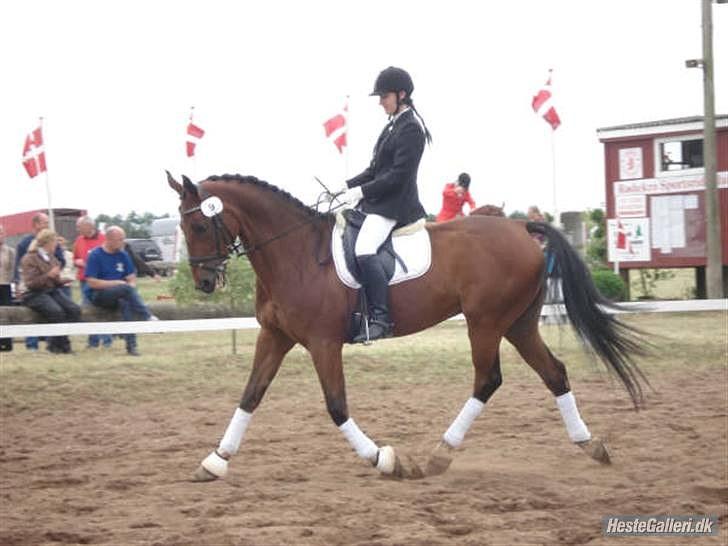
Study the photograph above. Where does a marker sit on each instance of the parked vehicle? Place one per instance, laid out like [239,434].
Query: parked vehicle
[146,249]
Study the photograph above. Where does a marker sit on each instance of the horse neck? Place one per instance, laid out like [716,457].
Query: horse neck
[289,235]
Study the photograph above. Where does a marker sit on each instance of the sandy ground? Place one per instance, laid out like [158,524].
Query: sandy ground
[106,473]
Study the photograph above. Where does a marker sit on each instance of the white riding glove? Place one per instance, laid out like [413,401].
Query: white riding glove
[351,196]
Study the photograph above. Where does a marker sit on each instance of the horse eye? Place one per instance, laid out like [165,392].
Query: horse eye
[199,228]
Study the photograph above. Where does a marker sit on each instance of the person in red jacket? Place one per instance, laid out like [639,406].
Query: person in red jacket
[454,196]
[89,238]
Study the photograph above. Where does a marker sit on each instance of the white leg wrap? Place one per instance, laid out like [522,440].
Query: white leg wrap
[386,460]
[570,414]
[362,444]
[235,432]
[456,433]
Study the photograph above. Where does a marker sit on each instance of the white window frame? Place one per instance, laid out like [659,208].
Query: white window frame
[659,173]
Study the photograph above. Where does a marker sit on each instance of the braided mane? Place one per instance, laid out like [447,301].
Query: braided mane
[274,189]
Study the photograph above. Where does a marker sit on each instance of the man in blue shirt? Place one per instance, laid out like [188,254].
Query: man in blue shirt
[111,282]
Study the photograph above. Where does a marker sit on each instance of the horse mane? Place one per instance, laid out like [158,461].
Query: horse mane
[297,203]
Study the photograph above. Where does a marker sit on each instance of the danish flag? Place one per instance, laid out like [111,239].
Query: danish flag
[34,154]
[194,134]
[335,129]
[542,105]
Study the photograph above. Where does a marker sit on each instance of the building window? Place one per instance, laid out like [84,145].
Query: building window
[679,154]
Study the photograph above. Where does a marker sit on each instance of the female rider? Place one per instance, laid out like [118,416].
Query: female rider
[387,191]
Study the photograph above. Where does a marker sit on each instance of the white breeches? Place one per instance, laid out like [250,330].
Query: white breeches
[374,231]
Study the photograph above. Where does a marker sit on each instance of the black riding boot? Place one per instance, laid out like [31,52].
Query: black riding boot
[376,286]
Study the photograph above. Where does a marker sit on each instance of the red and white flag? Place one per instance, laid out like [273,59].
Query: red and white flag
[335,129]
[34,153]
[194,134]
[542,105]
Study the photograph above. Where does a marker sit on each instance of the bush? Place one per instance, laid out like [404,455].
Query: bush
[238,293]
[609,284]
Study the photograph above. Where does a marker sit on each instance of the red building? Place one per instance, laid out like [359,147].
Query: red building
[18,225]
[655,189]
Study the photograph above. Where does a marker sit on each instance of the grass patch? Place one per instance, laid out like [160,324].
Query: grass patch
[182,367]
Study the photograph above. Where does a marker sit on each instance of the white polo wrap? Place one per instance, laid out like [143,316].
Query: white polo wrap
[455,435]
[235,431]
[362,444]
[578,432]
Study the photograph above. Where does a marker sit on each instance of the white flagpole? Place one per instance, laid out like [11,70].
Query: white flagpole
[347,128]
[51,216]
[193,158]
[557,220]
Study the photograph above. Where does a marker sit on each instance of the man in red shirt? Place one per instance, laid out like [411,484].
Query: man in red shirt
[88,239]
[454,196]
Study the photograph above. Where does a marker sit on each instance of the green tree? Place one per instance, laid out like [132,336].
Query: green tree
[136,226]
[596,248]
[238,292]
[518,215]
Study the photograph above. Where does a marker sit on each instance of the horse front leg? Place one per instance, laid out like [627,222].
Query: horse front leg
[328,362]
[270,348]
[484,348]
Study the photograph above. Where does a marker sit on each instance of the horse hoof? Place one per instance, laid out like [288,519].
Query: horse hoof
[439,460]
[202,475]
[597,450]
[406,468]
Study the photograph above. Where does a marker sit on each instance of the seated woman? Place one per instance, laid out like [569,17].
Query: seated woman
[43,283]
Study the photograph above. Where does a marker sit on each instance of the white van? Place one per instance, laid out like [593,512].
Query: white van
[167,233]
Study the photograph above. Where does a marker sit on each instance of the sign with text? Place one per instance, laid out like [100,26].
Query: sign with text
[667,184]
[628,240]
[631,206]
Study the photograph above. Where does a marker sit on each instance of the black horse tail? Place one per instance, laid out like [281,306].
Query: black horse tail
[613,341]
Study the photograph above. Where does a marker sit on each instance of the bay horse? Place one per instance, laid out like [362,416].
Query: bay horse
[486,268]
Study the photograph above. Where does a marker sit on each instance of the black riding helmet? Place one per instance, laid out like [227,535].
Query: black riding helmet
[464,180]
[393,80]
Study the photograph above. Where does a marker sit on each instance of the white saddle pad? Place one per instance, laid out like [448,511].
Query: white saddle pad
[411,242]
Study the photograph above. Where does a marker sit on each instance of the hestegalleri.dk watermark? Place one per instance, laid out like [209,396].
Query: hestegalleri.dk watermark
[624,525]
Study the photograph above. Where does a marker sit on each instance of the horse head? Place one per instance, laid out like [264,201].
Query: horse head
[210,232]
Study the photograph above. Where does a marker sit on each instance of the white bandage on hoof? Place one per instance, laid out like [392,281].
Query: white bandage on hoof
[215,465]
[575,426]
[386,460]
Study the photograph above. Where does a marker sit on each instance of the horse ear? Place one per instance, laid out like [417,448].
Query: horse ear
[174,184]
[188,185]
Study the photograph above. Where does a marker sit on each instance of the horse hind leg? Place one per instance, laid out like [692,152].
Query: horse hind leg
[525,337]
[487,380]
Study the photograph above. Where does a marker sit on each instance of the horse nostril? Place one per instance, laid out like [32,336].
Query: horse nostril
[207,286]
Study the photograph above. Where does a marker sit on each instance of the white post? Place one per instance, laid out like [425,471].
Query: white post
[51,217]
[193,157]
[557,220]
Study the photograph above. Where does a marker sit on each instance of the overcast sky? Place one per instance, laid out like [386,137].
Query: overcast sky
[114,82]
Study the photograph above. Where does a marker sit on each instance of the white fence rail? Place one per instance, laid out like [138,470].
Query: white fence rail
[244,323]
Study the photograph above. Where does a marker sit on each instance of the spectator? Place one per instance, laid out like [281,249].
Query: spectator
[43,282]
[89,238]
[534,215]
[38,222]
[7,265]
[111,282]
[454,196]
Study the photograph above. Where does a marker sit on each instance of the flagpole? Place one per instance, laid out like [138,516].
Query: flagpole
[347,128]
[193,158]
[51,216]
[557,220]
